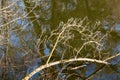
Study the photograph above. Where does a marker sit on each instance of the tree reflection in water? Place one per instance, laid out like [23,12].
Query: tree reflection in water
[25,42]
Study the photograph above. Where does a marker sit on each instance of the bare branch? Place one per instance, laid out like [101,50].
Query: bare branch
[63,61]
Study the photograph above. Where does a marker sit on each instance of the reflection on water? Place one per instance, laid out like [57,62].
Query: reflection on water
[23,40]
[90,69]
[14,40]
[117,28]
[117,48]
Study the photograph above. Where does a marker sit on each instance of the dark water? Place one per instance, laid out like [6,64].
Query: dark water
[24,51]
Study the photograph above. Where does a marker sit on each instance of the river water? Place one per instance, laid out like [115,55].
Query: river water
[23,34]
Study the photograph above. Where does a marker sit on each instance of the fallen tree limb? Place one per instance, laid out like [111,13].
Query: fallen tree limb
[63,61]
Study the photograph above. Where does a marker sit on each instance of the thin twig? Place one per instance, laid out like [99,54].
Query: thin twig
[106,60]
[55,45]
